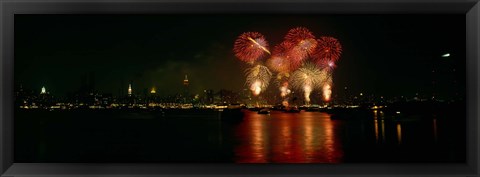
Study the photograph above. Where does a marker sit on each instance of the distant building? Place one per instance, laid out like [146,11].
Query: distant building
[208,96]
[185,81]
[129,89]
[44,91]
[186,92]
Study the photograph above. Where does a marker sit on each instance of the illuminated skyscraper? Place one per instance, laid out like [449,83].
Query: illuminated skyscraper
[44,91]
[129,89]
[153,91]
[185,91]
[185,81]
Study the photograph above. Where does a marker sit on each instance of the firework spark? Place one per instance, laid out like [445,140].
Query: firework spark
[250,46]
[326,84]
[328,50]
[306,47]
[327,92]
[307,78]
[282,83]
[303,41]
[327,65]
[258,78]
[298,34]
[291,57]
[278,64]
[260,43]
[284,91]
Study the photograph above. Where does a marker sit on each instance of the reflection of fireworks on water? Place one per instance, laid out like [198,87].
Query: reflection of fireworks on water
[328,51]
[258,78]
[250,46]
[306,79]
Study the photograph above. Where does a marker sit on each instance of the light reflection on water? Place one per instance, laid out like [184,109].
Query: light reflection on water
[399,133]
[288,138]
[435,133]
[305,137]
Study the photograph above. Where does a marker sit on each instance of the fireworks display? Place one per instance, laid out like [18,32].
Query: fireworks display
[290,59]
[328,51]
[250,46]
[303,42]
[258,78]
[307,78]
[278,63]
[298,34]
[327,92]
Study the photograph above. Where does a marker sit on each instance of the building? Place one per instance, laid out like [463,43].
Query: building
[186,91]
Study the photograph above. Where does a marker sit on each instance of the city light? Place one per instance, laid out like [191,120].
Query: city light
[44,91]
[446,55]
[129,89]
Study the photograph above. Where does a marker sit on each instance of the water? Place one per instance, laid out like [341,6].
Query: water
[306,137]
[289,137]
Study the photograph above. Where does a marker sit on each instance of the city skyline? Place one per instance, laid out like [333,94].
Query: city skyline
[392,56]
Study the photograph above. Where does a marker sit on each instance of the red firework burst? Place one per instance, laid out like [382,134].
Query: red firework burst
[291,56]
[326,64]
[329,49]
[298,34]
[278,64]
[296,58]
[250,46]
[303,40]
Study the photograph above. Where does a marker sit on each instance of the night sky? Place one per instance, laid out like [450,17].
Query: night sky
[388,55]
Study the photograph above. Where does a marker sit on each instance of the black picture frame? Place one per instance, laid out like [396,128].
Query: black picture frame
[8,9]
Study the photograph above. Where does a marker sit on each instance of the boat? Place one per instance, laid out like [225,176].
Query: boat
[255,109]
[264,111]
[292,110]
[313,109]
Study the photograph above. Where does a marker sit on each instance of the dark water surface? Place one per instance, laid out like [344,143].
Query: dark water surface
[306,137]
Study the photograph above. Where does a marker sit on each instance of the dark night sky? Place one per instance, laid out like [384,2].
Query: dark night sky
[382,54]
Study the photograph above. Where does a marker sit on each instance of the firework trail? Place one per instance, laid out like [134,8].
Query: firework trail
[258,78]
[326,85]
[326,82]
[250,46]
[281,81]
[327,92]
[284,91]
[307,78]
[328,51]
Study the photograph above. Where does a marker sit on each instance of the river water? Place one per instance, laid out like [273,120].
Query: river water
[278,137]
